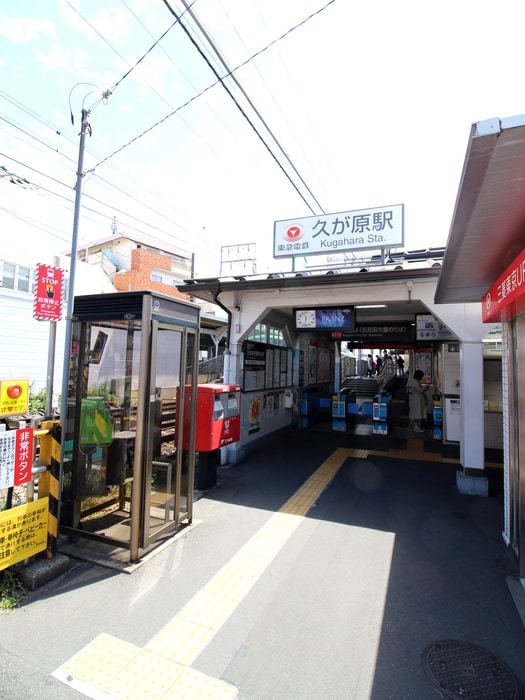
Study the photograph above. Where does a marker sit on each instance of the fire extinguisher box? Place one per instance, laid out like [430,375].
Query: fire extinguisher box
[218,416]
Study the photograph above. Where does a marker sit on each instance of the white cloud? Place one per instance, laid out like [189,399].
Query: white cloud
[26,30]
[73,62]
[112,23]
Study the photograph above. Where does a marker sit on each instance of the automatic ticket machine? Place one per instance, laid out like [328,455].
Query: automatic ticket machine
[127,480]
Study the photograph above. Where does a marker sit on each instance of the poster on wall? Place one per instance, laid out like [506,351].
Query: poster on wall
[266,366]
[312,364]
[269,368]
[254,365]
[276,366]
[283,374]
[323,369]
[254,414]
[423,361]
[429,328]
[289,368]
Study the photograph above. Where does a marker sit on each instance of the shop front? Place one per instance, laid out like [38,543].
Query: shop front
[488,228]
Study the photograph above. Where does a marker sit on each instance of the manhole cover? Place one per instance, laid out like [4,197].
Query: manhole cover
[464,671]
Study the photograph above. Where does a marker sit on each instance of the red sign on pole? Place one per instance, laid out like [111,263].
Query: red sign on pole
[49,291]
[506,298]
[16,457]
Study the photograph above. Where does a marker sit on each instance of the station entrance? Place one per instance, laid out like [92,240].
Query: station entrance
[128,474]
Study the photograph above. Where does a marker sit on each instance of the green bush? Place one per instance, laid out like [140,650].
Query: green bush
[103,389]
[37,401]
[12,592]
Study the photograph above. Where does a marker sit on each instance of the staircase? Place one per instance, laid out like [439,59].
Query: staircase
[368,387]
[211,370]
[362,387]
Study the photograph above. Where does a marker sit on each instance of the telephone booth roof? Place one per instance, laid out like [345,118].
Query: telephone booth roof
[130,305]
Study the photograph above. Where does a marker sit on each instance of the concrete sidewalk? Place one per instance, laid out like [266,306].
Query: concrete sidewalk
[321,567]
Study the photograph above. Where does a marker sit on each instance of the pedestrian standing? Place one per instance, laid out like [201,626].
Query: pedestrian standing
[417,401]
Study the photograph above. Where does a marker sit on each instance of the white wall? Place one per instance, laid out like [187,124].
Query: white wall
[24,343]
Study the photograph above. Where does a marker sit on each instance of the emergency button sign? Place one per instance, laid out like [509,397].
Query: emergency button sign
[14,396]
[49,287]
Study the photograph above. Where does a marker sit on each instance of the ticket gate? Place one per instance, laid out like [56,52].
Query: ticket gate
[126,479]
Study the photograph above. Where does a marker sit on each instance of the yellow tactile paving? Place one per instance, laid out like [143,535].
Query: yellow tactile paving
[237,577]
[111,668]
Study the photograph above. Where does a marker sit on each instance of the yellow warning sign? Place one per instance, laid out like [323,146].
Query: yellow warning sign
[14,396]
[23,531]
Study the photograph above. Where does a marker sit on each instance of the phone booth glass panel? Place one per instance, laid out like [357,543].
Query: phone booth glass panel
[126,480]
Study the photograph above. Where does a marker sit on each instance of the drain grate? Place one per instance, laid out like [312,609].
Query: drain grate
[464,671]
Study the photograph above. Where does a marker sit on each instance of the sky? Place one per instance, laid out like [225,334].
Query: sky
[339,106]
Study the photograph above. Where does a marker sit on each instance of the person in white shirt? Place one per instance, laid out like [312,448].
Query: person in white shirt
[418,401]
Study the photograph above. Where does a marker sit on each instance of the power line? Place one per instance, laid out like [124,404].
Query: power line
[35,224]
[98,176]
[184,75]
[132,68]
[230,74]
[220,80]
[26,184]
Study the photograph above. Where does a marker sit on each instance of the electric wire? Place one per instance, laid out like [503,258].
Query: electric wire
[109,183]
[126,215]
[186,78]
[220,80]
[132,68]
[106,93]
[305,115]
[35,224]
[237,83]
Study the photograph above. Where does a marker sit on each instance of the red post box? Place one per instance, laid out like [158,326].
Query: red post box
[218,416]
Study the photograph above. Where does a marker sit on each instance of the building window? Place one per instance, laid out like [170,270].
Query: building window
[156,278]
[8,276]
[272,335]
[16,277]
[24,278]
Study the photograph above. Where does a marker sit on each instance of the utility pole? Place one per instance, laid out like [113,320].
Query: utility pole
[84,129]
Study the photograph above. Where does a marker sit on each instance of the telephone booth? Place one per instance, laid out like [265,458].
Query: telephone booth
[133,367]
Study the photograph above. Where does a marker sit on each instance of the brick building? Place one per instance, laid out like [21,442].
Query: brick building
[140,262]
[149,270]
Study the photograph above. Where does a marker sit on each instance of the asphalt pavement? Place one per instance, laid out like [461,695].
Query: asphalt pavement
[325,565]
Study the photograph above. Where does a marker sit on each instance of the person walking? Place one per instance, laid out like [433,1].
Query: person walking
[400,365]
[417,401]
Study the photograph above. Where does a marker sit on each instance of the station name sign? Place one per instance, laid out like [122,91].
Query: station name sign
[362,229]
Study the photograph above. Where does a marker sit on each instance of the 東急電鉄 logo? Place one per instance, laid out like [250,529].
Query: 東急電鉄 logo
[293,233]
